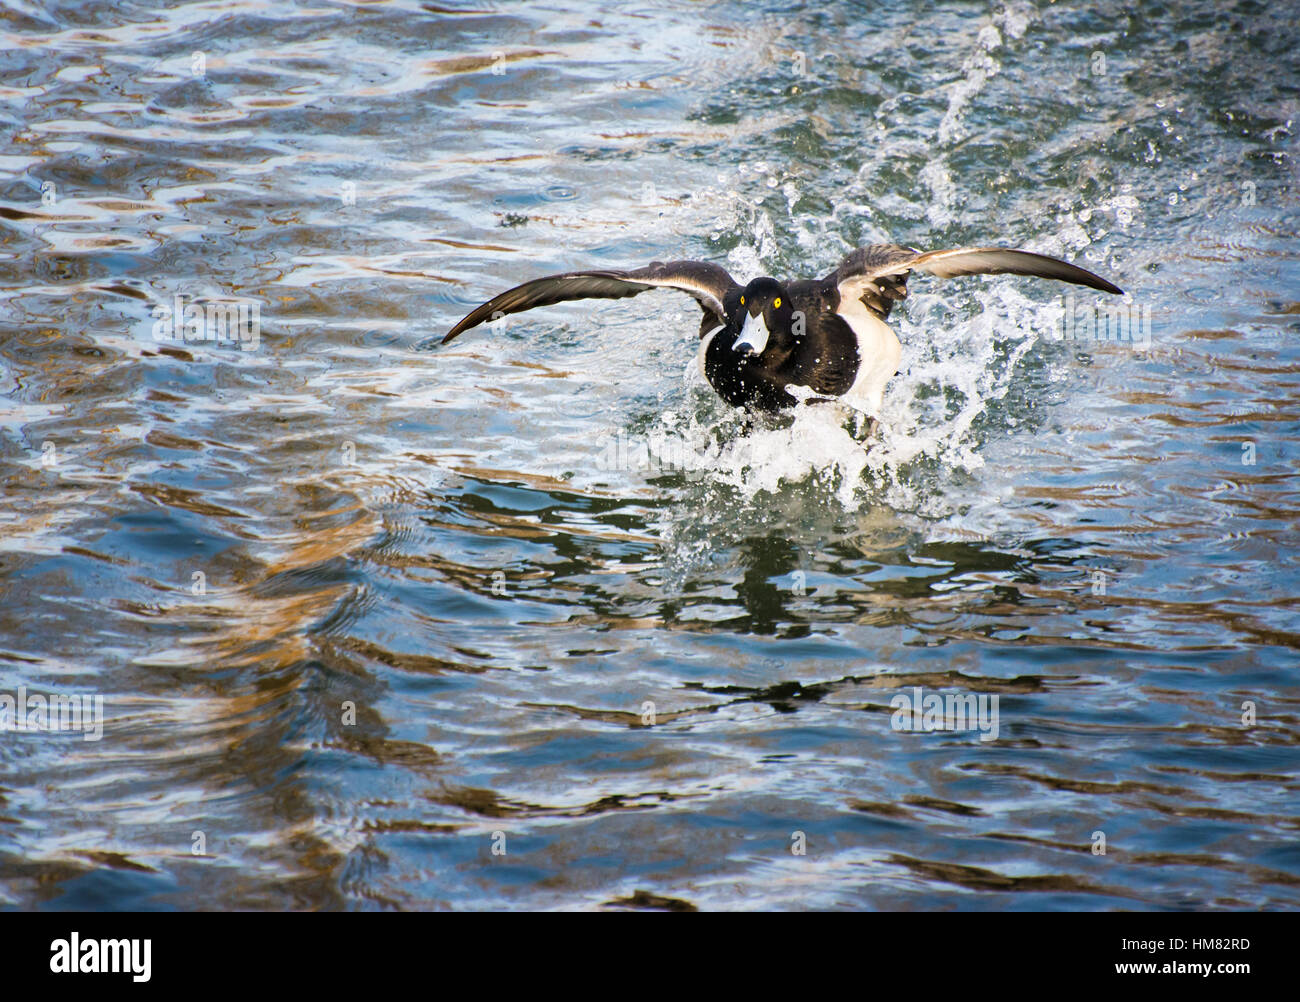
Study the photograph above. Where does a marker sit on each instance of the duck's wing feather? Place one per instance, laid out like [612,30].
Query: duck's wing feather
[708,283]
[877,275]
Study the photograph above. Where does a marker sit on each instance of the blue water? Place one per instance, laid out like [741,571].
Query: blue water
[525,621]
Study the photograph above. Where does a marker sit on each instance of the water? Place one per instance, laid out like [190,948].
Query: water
[363,609]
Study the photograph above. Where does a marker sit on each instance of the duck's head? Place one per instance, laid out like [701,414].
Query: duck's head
[761,318]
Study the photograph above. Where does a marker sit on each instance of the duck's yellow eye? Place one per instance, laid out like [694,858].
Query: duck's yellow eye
[742,300]
[777,304]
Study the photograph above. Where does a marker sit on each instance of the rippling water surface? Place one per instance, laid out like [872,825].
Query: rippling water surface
[522,622]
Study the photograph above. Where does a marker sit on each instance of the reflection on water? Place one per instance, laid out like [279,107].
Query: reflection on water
[381,624]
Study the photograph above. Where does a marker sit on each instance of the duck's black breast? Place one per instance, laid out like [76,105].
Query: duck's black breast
[824,357]
[743,382]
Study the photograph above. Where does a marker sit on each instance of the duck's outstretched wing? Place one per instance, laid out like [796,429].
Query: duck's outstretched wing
[877,275]
[708,283]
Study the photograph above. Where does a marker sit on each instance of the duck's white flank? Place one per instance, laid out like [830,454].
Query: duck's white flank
[878,351]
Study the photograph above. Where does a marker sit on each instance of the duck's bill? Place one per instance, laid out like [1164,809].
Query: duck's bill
[753,336]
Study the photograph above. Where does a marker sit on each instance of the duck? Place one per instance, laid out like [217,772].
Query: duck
[769,345]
